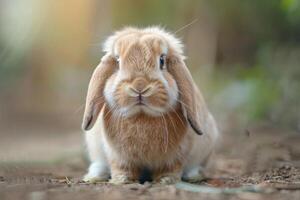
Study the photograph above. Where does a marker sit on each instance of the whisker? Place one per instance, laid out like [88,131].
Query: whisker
[79,108]
[167,134]
[111,110]
[185,26]
[122,120]
[117,119]
[187,107]
[177,115]
[163,135]
[99,98]
[181,101]
[171,121]
[119,123]
[184,103]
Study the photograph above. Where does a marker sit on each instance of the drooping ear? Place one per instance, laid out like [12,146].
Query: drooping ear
[95,97]
[189,95]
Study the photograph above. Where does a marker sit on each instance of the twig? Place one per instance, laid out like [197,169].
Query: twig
[68,181]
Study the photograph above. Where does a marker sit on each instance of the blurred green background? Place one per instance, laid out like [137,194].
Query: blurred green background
[243,54]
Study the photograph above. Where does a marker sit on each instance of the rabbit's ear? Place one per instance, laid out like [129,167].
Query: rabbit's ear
[95,97]
[189,95]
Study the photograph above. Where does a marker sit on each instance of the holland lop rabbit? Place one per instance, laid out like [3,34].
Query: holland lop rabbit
[144,111]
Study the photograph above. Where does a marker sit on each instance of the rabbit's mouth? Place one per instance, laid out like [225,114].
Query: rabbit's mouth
[140,103]
[142,107]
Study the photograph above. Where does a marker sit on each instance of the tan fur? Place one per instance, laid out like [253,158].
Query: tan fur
[145,141]
[191,97]
[95,99]
[163,141]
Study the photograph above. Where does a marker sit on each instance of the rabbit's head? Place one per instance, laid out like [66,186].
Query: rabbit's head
[142,72]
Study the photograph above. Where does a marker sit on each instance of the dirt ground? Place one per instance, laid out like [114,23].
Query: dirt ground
[258,163]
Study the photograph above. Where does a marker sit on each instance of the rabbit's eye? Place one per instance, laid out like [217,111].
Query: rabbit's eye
[162,60]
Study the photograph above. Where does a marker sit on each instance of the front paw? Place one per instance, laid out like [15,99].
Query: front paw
[92,178]
[193,175]
[120,179]
[168,179]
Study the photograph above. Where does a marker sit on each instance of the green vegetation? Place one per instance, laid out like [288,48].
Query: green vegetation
[244,54]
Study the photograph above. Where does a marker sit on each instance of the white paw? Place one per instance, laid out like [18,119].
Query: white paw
[91,178]
[193,175]
[97,173]
[120,179]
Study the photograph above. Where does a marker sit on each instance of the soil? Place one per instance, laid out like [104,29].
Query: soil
[262,163]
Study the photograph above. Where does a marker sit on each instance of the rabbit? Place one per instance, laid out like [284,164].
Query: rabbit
[144,111]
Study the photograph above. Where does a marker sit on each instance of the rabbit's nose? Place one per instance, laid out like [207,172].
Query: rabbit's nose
[144,92]
[139,88]
[139,84]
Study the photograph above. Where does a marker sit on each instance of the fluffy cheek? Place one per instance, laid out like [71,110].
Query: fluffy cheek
[171,89]
[124,102]
[165,95]
[122,98]
[159,98]
[109,90]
